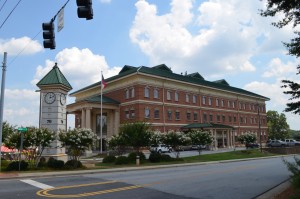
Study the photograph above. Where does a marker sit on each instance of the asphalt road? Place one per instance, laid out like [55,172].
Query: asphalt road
[233,180]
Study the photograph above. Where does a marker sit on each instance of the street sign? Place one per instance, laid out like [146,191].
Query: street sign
[60,20]
[22,129]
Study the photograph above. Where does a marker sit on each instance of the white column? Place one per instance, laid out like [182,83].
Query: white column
[88,118]
[223,139]
[228,139]
[83,121]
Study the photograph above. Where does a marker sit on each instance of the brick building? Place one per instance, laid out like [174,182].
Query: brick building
[171,101]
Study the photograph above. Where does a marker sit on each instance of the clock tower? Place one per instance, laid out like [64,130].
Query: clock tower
[54,88]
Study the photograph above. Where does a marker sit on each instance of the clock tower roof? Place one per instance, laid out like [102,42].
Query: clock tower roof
[54,78]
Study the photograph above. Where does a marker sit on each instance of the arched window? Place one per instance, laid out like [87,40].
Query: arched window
[147,112]
[155,93]
[126,94]
[176,96]
[147,92]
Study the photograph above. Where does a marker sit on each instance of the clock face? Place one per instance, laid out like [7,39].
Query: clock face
[62,99]
[50,98]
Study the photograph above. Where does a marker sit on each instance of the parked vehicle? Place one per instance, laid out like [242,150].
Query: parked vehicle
[160,148]
[197,147]
[252,145]
[291,142]
[276,143]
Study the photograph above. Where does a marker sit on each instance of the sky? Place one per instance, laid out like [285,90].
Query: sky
[216,38]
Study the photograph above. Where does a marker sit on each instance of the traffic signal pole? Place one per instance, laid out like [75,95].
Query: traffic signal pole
[2,101]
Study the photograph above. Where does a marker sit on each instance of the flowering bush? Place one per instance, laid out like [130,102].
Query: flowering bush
[175,139]
[200,138]
[247,138]
[77,141]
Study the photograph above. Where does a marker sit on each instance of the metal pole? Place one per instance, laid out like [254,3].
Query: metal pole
[101,117]
[2,100]
[21,149]
[259,131]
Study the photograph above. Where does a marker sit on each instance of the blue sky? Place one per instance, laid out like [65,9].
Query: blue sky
[219,39]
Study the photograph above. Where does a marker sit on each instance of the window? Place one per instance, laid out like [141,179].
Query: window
[222,103]
[176,96]
[218,118]
[177,115]
[155,93]
[169,95]
[245,120]
[240,105]
[204,100]
[169,115]
[126,94]
[217,102]
[229,104]
[244,106]
[209,101]
[132,113]
[147,92]
[251,119]
[241,119]
[233,104]
[156,113]
[250,107]
[127,114]
[188,115]
[223,118]
[147,112]
[187,98]
[194,99]
[195,116]
[229,118]
[204,118]
[132,93]
[234,119]
[211,118]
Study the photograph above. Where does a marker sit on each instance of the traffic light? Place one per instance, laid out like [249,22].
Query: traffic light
[49,35]
[84,9]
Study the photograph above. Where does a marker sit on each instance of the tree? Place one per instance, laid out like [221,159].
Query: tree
[6,130]
[136,134]
[200,138]
[175,140]
[291,11]
[278,127]
[247,138]
[77,141]
[117,143]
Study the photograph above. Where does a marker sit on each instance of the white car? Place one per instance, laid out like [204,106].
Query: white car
[291,142]
[160,148]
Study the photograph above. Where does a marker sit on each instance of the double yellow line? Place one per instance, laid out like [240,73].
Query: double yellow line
[45,193]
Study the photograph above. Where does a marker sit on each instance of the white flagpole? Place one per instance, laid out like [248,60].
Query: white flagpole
[101,117]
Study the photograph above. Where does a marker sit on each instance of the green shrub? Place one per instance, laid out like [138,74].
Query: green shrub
[109,159]
[14,166]
[42,162]
[155,157]
[55,164]
[132,156]
[166,158]
[73,164]
[121,160]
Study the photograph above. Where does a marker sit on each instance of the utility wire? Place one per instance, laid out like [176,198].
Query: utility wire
[3,5]
[24,48]
[35,35]
[9,14]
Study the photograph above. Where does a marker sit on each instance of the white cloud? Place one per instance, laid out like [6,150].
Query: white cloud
[224,37]
[21,107]
[24,44]
[80,67]
[278,99]
[276,68]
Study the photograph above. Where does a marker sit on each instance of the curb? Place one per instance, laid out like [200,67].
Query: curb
[9,176]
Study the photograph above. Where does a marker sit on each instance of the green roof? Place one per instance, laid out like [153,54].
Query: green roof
[163,71]
[105,100]
[54,77]
[206,125]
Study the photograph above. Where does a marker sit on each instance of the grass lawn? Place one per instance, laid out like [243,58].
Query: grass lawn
[244,154]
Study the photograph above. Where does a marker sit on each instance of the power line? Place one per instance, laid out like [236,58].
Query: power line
[10,14]
[3,5]
[24,48]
